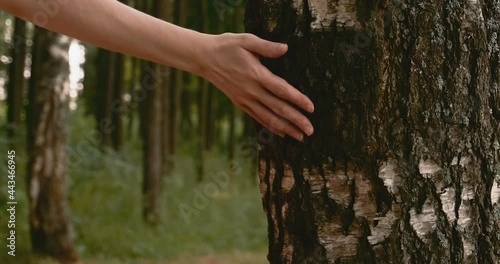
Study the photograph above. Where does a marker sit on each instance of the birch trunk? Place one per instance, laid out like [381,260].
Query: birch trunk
[50,225]
[404,165]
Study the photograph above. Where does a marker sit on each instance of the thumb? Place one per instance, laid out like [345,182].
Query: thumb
[263,47]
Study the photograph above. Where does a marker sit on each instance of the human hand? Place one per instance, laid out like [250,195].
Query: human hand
[231,63]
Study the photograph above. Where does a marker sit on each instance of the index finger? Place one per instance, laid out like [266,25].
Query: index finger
[284,90]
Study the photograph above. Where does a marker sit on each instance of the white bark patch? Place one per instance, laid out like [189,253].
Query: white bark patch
[336,244]
[364,204]
[495,193]
[272,206]
[468,192]
[468,247]
[298,5]
[383,229]
[288,180]
[476,10]
[262,175]
[339,184]
[34,189]
[463,222]
[428,167]
[463,161]
[315,180]
[338,187]
[389,175]
[425,222]
[287,253]
[448,202]
[325,12]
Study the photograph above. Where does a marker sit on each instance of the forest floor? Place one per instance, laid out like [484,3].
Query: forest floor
[234,258]
[227,225]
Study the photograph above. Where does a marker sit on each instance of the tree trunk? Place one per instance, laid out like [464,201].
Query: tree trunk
[168,157]
[117,105]
[153,83]
[51,229]
[105,92]
[15,87]
[402,166]
[153,154]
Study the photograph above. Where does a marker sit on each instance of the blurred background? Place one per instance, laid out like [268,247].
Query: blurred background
[157,164]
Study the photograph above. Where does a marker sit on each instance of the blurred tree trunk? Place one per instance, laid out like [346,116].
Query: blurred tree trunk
[109,90]
[131,91]
[202,126]
[211,115]
[106,76]
[117,105]
[154,81]
[180,18]
[51,229]
[186,125]
[165,13]
[204,103]
[16,84]
[232,133]
[402,166]
[152,138]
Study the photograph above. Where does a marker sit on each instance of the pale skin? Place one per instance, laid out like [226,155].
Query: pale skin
[227,60]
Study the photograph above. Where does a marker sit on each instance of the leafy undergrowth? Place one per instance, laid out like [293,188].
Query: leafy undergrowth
[233,258]
[198,224]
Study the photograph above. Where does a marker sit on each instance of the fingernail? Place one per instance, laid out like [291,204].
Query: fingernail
[309,130]
[311,108]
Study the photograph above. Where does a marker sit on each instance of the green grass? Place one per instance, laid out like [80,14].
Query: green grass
[105,200]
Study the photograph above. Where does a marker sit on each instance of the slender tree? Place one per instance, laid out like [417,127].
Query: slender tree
[402,166]
[16,84]
[203,104]
[153,82]
[105,96]
[50,225]
[117,103]
[181,19]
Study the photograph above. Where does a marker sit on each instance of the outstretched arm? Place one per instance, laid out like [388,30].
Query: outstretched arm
[226,60]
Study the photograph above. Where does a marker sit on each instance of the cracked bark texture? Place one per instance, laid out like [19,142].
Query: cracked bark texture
[404,165]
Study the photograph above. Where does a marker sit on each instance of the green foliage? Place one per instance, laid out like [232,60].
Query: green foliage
[105,201]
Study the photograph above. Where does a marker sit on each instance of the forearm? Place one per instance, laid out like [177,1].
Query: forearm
[115,26]
[227,60]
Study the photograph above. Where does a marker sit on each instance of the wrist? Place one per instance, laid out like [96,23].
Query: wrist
[203,49]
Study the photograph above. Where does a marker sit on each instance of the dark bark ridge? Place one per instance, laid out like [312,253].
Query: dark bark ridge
[404,165]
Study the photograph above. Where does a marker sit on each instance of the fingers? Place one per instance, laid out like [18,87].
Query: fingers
[287,112]
[273,122]
[263,47]
[261,121]
[285,91]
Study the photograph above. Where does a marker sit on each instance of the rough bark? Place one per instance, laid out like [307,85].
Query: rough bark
[51,229]
[404,165]
[16,84]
